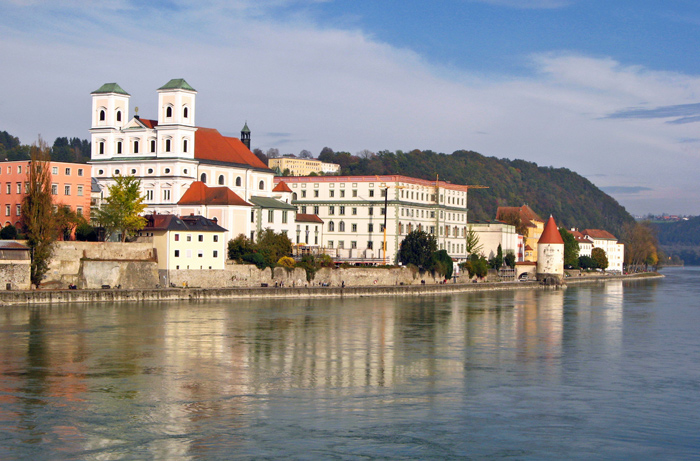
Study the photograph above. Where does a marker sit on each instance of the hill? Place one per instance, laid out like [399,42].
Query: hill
[63,149]
[680,238]
[572,199]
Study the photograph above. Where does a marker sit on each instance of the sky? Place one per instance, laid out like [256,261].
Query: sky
[608,89]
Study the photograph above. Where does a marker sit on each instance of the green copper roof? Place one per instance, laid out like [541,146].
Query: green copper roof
[110,88]
[245,128]
[177,84]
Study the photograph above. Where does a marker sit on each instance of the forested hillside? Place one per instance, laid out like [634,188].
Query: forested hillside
[681,238]
[572,199]
[63,150]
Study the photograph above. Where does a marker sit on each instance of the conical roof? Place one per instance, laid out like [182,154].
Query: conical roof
[550,234]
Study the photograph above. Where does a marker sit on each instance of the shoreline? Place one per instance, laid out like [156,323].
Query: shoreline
[49,297]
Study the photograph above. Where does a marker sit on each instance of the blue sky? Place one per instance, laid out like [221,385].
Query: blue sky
[609,89]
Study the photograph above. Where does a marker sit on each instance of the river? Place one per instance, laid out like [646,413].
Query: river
[599,371]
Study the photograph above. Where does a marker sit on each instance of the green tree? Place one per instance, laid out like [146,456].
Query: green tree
[8,232]
[510,259]
[472,244]
[121,209]
[442,263]
[65,220]
[85,232]
[586,262]
[497,261]
[273,246]
[418,248]
[238,247]
[37,212]
[571,248]
[476,266]
[601,259]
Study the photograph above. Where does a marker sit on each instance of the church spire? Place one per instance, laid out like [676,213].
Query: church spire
[245,135]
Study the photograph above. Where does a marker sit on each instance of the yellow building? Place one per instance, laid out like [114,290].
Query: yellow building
[302,166]
[526,218]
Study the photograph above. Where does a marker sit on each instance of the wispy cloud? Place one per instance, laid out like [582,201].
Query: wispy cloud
[528,4]
[627,190]
[681,113]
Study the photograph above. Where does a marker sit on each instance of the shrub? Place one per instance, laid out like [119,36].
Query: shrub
[8,232]
[287,262]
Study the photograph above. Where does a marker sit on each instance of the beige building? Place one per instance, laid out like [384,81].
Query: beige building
[353,209]
[533,224]
[302,166]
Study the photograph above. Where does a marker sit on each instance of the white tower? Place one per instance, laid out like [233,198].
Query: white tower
[110,109]
[550,254]
[176,119]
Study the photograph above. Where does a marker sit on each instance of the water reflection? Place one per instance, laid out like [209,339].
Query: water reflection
[201,379]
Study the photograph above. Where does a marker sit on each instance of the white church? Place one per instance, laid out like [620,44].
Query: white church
[185,169]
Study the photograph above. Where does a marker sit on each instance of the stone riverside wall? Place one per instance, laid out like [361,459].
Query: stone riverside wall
[244,275]
[16,274]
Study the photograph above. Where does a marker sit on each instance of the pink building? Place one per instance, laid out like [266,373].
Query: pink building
[70,186]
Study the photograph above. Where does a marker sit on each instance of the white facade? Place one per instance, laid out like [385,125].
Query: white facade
[614,251]
[550,259]
[168,154]
[352,208]
[493,234]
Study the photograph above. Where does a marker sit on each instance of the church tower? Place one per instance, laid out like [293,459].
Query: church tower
[245,135]
[110,110]
[176,119]
[550,255]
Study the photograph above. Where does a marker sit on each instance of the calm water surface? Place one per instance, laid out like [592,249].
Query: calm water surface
[605,371]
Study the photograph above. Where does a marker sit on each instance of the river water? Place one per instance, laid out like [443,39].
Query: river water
[602,371]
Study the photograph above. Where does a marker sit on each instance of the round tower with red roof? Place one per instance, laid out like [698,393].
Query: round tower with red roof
[550,254]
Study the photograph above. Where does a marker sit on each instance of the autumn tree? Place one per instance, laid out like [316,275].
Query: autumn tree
[513,218]
[121,209]
[37,211]
[601,259]
[641,245]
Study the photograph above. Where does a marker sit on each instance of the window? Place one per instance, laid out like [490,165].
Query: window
[101,172]
[167,145]
[331,226]
[102,147]
[153,145]
[19,210]
[221,180]
[136,147]
[284,217]
[7,210]
[200,238]
[370,227]
[79,211]
[341,210]
[54,170]
[270,216]
[370,245]
[354,211]
[342,193]
[353,244]
[370,211]
[150,171]
[316,193]
[102,116]
[303,210]
[215,254]
[315,209]
[303,194]
[381,228]
[341,244]
[119,116]
[185,112]
[189,237]
[166,171]
[330,244]
[371,192]
[354,192]
[252,218]
[331,209]
[238,181]
[166,195]
[381,212]
[177,252]
[261,185]
[354,228]
[200,254]
[133,171]
[169,111]
[382,193]
[216,238]
[19,169]
[332,193]
[19,187]
[203,178]
[9,189]
[184,146]
[119,147]
[177,237]
[341,226]
[66,189]
[80,190]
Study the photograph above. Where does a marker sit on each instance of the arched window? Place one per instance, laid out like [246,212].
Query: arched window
[221,180]
[294,196]
[102,115]
[341,226]
[119,116]
[119,147]
[331,226]
[185,112]
[203,178]
[153,145]
[167,145]
[136,147]
[238,181]
[184,146]
[169,112]
[261,186]
[102,147]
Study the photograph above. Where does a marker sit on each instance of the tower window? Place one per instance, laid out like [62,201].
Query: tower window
[136,147]
[119,147]
[184,145]
[185,112]
[119,116]
[102,147]
[167,145]
[102,116]
[169,112]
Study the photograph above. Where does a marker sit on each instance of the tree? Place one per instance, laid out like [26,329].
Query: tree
[510,259]
[442,262]
[513,218]
[497,261]
[84,232]
[641,245]
[601,259]
[418,248]
[8,232]
[37,212]
[472,245]
[238,247]
[571,248]
[65,220]
[273,152]
[273,246]
[477,265]
[120,210]
[260,155]
[586,262]
[305,154]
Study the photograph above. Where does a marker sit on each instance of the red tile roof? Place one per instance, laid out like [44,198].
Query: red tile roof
[551,234]
[599,234]
[149,123]
[301,217]
[201,194]
[281,187]
[211,145]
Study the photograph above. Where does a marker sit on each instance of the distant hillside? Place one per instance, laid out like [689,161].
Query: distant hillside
[572,199]
[63,149]
[681,238]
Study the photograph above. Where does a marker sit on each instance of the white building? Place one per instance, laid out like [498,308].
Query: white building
[352,209]
[496,233]
[614,250]
[170,153]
